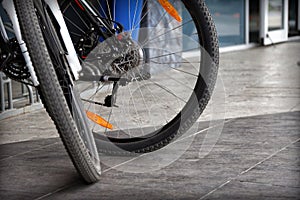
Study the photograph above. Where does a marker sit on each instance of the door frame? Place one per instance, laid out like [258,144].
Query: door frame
[298,15]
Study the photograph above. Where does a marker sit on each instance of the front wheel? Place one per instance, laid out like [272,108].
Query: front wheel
[59,97]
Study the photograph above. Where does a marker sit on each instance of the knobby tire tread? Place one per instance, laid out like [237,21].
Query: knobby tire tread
[51,91]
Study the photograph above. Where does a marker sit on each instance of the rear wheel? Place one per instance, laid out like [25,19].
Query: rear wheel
[166,70]
[59,97]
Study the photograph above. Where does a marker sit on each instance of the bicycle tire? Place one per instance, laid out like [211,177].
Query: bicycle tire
[85,160]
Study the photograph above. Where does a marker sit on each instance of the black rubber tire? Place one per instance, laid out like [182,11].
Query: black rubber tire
[193,109]
[52,93]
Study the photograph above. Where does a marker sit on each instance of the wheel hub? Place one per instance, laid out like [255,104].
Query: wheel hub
[131,58]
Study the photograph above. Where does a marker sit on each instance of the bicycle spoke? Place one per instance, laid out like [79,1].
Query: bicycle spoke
[134,15]
[141,17]
[109,10]
[165,33]
[75,25]
[79,16]
[102,9]
[176,69]
[169,54]
[170,92]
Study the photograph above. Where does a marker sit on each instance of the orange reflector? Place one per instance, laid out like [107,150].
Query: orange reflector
[170,9]
[98,120]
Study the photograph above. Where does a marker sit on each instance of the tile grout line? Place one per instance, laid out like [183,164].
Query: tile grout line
[249,169]
[294,107]
[240,90]
[57,190]
[42,147]
[179,139]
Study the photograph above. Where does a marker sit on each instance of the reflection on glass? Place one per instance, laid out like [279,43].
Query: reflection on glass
[275,14]
[229,17]
[293,15]
[254,21]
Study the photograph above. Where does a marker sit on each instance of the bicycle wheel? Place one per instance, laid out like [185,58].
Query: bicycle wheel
[57,93]
[165,67]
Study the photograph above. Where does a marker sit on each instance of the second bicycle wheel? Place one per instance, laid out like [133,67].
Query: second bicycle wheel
[147,85]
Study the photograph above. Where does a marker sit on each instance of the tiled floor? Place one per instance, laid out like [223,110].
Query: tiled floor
[254,158]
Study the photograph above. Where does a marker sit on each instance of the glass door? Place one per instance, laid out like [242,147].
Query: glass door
[274,18]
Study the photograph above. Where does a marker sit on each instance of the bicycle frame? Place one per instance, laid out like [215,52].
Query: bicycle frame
[72,57]
[93,15]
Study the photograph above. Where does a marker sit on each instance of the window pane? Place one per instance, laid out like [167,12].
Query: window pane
[275,14]
[229,17]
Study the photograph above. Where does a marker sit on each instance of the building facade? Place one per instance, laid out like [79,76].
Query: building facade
[246,22]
